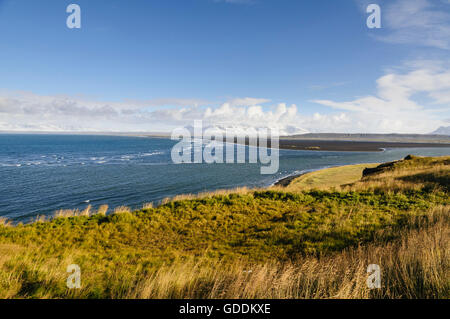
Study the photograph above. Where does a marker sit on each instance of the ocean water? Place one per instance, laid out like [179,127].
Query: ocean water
[40,174]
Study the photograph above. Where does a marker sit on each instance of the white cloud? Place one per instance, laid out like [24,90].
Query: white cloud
[25,111]
[418,22]
[396,108]
[247,101]
[168,102]
[283,117]
[411,99]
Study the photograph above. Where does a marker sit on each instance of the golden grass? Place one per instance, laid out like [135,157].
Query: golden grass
[404,179]
[4,222]
[122,209]
[237,190]
[147,206]
[102,210]
[87,212]
[327,178]
[417,265]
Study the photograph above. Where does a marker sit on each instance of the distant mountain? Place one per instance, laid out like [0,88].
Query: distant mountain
[401,138]
[443,130]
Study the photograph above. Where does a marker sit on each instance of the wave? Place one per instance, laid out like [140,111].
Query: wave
[152,153]
[10,165]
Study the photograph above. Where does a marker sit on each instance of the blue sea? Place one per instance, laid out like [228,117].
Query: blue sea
[40,174]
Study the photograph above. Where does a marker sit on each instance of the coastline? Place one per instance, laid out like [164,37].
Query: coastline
[284,182]
[352,146]
[341,174]
[293,143]
[137,162]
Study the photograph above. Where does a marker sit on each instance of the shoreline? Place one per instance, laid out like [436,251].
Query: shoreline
[285,143]
[343,174]
[283,182]
[352,146]
[286,181]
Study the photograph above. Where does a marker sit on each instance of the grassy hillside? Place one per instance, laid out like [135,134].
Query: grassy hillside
[328,177]
[275,243]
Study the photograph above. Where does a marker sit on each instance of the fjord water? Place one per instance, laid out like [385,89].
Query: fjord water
[40,174]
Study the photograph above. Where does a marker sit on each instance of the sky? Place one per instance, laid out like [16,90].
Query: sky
[155,65]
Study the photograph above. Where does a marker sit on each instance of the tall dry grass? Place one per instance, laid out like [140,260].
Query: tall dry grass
[416,266]
[436,178]
[238,190]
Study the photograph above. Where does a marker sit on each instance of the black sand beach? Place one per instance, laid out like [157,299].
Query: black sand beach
[350,146]
[287,180]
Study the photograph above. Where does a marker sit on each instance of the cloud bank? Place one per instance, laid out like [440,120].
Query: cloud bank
[412,99]
[396,105]
[26,111]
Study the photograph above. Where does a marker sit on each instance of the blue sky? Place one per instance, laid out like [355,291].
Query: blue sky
[153,65]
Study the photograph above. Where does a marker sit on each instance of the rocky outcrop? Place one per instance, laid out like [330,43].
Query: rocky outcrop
[385,166]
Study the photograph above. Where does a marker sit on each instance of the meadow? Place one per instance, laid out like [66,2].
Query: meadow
[311,239]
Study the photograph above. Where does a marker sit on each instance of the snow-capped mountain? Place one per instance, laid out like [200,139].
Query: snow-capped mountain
[239,130]
[443,130]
